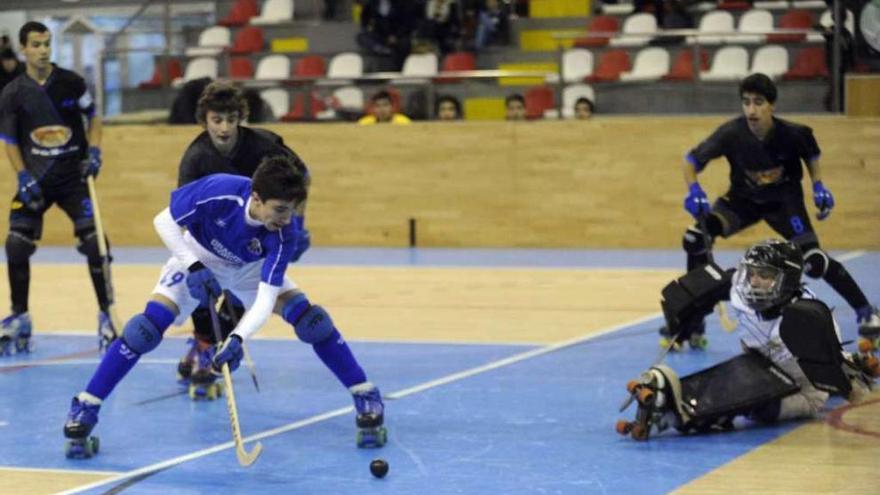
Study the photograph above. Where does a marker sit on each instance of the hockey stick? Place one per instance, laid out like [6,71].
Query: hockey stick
[105,258]
[727,323]
[247,355]
[245,458]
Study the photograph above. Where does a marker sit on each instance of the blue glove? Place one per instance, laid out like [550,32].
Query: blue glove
[92,165]
[229,353]
[696,202]
[201,284]
[303,243]
[823,199]
[29,191]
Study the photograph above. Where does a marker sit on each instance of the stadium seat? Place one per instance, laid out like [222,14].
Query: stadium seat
[198,68]
[577,64]
[349,97]
[247,40]
[597,25]
[458,61]
[809,63]
[730,63]
[538,99]
[212,41]
[651,64]
[717,21]
[240,13]
[734,4]
[757,21]
[420,64]
[771,4]
[175,71]
[570,95]
[808,4]
[641,23]
[274,12]
[683,66]
[273,67]
[297,110]
[793,19]
[310,66]
[610,65]
[771,60]
[278,100]
[344,65]
[241,68]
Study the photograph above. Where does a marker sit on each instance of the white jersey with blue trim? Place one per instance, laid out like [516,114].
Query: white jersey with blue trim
[214,212]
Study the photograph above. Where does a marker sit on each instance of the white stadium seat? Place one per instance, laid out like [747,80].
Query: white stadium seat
[771,60]
[651,64]
[730,63]
[211,42]
[577,63]
[274,12]
[641,23]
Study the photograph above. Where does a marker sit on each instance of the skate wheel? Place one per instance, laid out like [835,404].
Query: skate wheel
[645,396]
[632,385]
[865,346]
[639,432]
[698,343]
[372,438]
[623,427]
[666,343]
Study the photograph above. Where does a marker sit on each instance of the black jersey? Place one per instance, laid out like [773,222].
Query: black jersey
[47,122]
[202,158]
[759,169]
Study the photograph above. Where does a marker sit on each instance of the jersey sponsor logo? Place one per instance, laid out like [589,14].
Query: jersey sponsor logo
[766,177]
[68,103]
[255,247]
[224,253]
[51,136]
[220,222]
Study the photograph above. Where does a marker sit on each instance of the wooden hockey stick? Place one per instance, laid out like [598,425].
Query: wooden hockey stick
[247,355]
[103,252]
[245,458]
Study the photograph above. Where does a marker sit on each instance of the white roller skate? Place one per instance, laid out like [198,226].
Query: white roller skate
[15,334]
[658,394]
[370,415]
[81,419]
[868,319]
[106,331]
[203,383]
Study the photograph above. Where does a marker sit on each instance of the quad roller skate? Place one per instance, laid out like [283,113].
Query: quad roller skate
[370,416]
[869,331]
[81,419]
[656,393]
[106,331]
[203,384]
[15,334]
[695,338]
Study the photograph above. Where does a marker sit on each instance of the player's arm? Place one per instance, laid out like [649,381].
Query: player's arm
[13,152]
[28,190]
[171,234]
[697,202]
[810,153]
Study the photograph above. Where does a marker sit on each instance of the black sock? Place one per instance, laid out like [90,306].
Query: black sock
[101,287]
[19,284]
[841,281]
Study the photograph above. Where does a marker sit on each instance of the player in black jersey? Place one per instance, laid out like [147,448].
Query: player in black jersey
[765,155]
[225,146]
[52,134]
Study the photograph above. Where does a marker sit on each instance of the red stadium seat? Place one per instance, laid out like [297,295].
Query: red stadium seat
[247,40]
[240,13]
[175,70]
[538,99]
[458,61]
[310,66]
[734,5]
[793,19]
[599,24]
[683,66]
[241,68]
[298,108]
[809,63]
[610,65]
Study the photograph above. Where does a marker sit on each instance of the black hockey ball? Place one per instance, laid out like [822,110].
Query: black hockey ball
[379,468]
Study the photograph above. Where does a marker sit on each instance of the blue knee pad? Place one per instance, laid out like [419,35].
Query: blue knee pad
[141,335]
[311,323]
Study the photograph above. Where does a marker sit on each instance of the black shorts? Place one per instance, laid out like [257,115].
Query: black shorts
[70,193]
[786,215]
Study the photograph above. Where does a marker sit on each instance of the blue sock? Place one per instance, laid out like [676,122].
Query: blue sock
[119,359]
[336,355]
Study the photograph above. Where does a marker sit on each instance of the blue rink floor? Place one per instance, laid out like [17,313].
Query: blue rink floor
[529,419]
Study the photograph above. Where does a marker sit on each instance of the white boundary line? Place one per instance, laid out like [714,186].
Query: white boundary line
[65,362]
[346,410]
[53,471]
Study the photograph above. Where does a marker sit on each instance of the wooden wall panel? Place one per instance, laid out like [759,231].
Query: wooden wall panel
[609,182]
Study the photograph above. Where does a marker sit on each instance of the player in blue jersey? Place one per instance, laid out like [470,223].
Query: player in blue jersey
[43,116]
[238,234]
[225,146]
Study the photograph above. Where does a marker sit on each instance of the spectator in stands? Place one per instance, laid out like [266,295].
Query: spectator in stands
[583,108]
[493,24]
[383,111]
[329,12]
[441,25]
[5,42]
[515,107]
[10,67]
[386,28]
[447,107]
